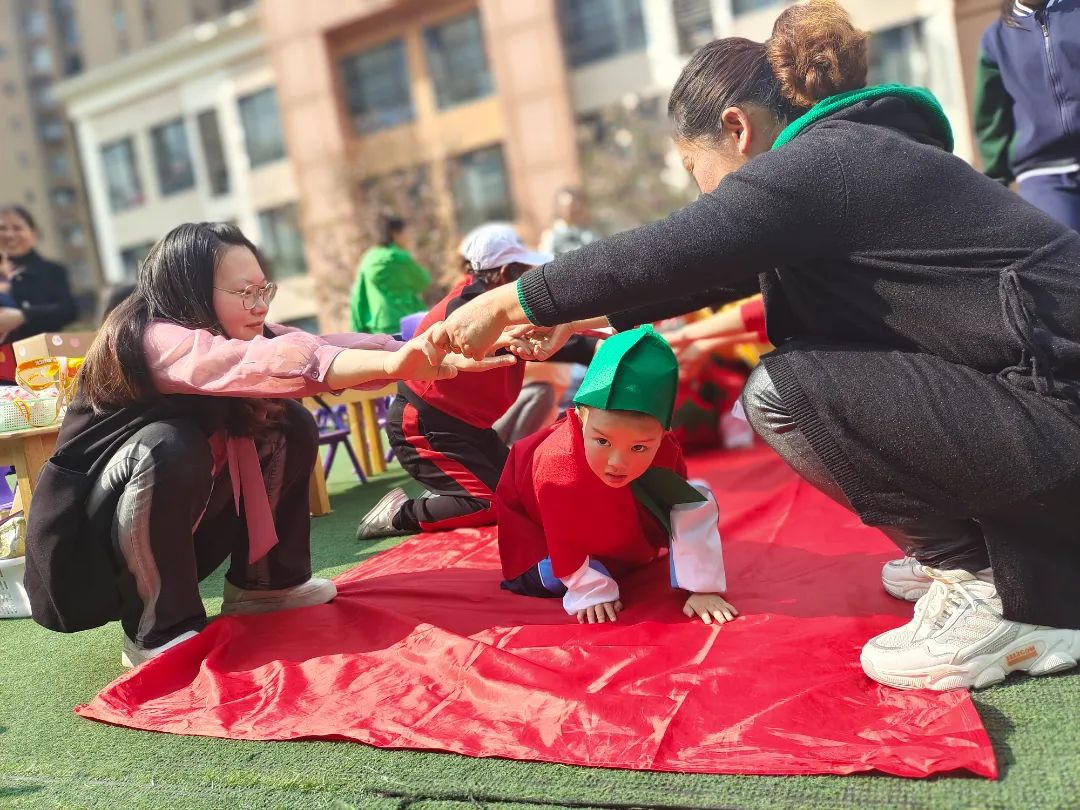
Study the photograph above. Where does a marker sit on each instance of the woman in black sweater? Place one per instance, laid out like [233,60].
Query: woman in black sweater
[40,298]
[927,321]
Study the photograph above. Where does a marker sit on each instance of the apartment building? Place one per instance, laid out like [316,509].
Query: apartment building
[43,42]
[184,130]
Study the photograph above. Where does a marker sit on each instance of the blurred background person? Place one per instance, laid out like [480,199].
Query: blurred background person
[570,228]
[36,296]
[1027,104]
[389,282]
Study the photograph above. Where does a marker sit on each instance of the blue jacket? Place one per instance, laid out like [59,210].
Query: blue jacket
[1027,96]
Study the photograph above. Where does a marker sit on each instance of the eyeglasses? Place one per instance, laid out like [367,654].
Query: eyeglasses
[253,295]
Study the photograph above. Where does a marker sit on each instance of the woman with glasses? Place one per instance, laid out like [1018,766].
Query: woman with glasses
[185,445]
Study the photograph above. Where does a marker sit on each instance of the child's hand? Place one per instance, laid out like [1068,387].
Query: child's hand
[710,607]
[597,614]
[419,359]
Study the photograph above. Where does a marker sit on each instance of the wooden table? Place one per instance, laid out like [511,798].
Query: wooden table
[366,438]
[27,451]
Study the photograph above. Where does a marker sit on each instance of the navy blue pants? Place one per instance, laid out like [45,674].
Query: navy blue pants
[1056,194]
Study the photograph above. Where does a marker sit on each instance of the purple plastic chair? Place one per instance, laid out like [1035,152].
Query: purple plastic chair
[333,428]
[410,323]
[7,494]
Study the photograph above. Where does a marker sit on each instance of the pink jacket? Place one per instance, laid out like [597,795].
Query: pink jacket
[290,365]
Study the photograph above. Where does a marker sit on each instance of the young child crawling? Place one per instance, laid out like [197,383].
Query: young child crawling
[604,491]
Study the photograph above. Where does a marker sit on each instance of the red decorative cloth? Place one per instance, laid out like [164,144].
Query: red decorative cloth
[422,650]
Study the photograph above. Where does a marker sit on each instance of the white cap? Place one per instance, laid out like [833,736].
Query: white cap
[497,244]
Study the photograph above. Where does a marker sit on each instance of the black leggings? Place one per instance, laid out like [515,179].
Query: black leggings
[944,543]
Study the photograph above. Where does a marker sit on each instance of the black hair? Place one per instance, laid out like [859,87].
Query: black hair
[175,283]
[814,52]
[390,226]
[20,212]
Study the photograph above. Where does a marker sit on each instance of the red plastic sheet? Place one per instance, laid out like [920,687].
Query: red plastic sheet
[422,650]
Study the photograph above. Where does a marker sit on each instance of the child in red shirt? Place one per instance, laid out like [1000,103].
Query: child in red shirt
[604,491]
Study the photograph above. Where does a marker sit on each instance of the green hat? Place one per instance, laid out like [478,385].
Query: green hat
[632,371]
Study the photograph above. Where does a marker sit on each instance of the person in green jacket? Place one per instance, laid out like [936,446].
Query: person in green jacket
[389,283]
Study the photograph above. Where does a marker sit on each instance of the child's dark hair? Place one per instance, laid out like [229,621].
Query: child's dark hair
[175,283]
[814,52]
[514,271]
[21,213]
[390,227]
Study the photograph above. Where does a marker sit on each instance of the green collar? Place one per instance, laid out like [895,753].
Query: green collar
[832,104]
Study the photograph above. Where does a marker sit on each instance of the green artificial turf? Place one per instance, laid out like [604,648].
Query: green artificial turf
[49,757]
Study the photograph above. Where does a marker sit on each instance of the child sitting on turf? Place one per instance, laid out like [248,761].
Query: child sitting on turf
[442,434]
[604,490]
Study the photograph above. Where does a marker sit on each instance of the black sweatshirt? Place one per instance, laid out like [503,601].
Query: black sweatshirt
[927,322]
[42,292]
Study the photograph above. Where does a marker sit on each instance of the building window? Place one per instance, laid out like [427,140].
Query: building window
[377,87]
[456,61]
[897,55]
[63,196]
[281,242]
[600,29]
[64,12]
[72,64]
[131,259]
[217,169]
[59,165]
[44,96]
[34,23]
[262,127]
[9,89]
[693,23]
[52,130]
[746,6]
[74,236]
[41,59]
[149,20]
[481,194]
[172,157]
[121,175]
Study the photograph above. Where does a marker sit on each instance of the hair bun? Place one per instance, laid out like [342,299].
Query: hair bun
[816,52]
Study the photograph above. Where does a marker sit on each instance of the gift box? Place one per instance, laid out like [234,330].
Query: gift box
[53,344]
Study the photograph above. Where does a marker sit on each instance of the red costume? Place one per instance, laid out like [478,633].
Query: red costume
[551,504]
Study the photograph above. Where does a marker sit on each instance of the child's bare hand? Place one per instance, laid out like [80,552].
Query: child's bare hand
[597,614]
[709,607]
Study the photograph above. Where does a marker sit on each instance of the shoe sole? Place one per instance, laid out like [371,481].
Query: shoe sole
[248,607]
[125,661]
[380,534]
[1040,653]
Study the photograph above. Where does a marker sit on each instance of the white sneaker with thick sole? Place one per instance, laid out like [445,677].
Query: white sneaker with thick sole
[133,654]
[905,579]
[243,601]
[958,639]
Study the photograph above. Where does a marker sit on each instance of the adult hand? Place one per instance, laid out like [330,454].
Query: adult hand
[598,614]
[11,319]
[474,328]
[537,343]
[421,359]
[710,607]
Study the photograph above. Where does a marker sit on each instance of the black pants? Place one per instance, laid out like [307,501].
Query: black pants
[173,522]
[944,543]
[457,463]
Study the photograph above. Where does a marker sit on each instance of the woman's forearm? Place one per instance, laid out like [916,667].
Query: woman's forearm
[354,367]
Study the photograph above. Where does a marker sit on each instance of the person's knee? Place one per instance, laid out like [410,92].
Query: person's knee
[760,400]
[301,434]
[176,448]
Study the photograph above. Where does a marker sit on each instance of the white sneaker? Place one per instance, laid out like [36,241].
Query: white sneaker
[958,639]
[133,654]
[905,579]
[241,600]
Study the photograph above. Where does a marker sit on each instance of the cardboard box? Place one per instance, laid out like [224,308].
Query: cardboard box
[53,344]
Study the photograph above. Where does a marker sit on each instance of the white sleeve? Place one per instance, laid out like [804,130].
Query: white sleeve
[697,559]
[587,587]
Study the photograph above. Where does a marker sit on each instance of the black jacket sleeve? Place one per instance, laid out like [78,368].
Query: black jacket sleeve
[783,207]
[659,311]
